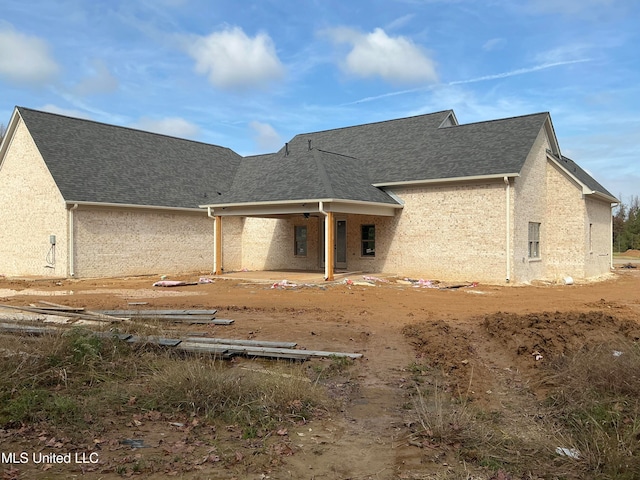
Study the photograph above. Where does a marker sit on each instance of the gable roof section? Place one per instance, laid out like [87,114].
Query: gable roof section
[99,163]
[415,148]
[304,175]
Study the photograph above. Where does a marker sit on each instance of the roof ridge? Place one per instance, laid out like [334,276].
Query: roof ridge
[499,119]
[88,120]
[373,123]
[323,173]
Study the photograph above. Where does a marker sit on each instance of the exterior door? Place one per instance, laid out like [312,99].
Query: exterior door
[340,244]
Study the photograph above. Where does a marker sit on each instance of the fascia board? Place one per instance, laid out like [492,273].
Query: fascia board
[602,196]
[8,135]
[301,207]
[474,178]
[303,201]
[71,203]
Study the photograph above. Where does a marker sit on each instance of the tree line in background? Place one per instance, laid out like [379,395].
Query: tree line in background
[626,226]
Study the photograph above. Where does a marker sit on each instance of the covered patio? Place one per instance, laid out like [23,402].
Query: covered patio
[331,246]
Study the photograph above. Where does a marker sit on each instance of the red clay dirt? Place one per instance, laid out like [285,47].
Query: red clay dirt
[485,340]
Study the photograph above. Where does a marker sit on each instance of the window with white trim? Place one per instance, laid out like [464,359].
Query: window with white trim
[534,240]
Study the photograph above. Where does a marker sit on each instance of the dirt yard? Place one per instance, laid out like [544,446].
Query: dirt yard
[488,344]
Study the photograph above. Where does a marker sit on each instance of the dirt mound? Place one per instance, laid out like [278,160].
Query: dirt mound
[468,355]
[447,351]
[549,335]
[631,253]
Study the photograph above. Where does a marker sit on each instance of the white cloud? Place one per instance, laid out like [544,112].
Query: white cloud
[100,81]
[265,136]
[232,60]
[25,58]
[394,59]
[173,126]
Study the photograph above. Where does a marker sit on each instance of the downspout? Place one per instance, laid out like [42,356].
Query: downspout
[613,205]
[508,229]
[71,241]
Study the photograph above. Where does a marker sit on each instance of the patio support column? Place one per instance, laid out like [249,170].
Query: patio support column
[329,247]
[217,242]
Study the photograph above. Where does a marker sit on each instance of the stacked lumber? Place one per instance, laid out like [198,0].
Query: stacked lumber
[51,312]
[220,347]
[176,316]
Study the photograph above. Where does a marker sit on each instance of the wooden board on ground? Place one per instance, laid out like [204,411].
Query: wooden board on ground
[229,341]
[17,328]
[154,313]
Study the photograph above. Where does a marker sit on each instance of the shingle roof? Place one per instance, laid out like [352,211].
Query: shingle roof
[95,162]
[415,148]
[303,175]
[591,183]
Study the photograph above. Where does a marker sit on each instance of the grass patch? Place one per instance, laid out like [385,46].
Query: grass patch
[207,388]
[593,409]
[62,380]
[596,403]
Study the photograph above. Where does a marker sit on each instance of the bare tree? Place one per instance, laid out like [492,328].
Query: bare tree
[3,130]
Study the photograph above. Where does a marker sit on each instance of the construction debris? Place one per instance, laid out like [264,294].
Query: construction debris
[17,328]
[176,316]
[63,311]
[229,341]
[173,283]
[375,279]
[421,283]
[220,347]
[284,284]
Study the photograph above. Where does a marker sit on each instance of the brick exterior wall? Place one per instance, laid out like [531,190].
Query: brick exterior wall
[268,244]
[530,194]
[564,246]
[232,228]
[32,209]
[598,238]
[115,242]
[453,232]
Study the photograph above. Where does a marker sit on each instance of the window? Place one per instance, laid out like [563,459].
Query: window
[591,238]
[368,240]
[300,241]
[534,240]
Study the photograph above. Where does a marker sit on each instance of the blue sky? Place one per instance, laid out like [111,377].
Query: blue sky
[249,75]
